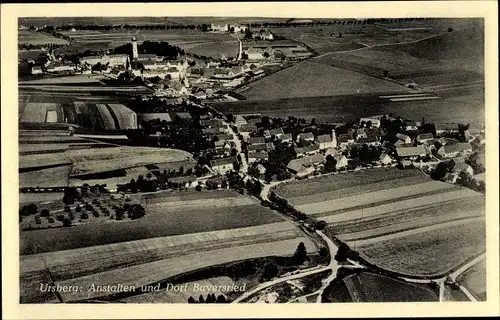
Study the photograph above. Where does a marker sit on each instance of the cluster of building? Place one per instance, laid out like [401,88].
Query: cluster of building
[236,28]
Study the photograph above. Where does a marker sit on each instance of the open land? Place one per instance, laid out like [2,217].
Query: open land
[386,211]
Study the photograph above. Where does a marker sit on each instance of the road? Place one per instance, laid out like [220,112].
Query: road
[237,143]
[262,286]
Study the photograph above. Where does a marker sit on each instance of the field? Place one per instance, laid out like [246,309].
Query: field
[229,227]
[38,38]
[311,79]
[388,212]
[352,106]
[37,112]
[50,177]
[429,253]
[192,41]
[66,80]
[371,287]
[474,279]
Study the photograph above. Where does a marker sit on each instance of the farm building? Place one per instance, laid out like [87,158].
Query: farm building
[257,156]
[360,133]
[263,35]
[36,70]
[307,150]
[446,127]
[256,140]
[344,140]
[246,129]
[219,28]
[273,133]
[369,140]
[374,122]
[403,137]
[410,152]
[153,116]
[342,161]
[412,125]
[286,138]
[455,150]
[61,67]
[220,144]
[223,165]
[185,181]
[213,131]
[182,115]
[385,159]
[304,165]
[425,137]
[260,147]
[210,123]
[239,121]
[305,137]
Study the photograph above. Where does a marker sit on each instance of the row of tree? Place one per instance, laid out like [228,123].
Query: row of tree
[211,298]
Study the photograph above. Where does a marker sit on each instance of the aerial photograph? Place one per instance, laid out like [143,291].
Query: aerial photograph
[251,160]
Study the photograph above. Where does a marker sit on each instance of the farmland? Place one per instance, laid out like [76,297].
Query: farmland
[387,213]
[431,253]
[474,279]
[311,79]
[38,38]
[351,106]
[221,227]
[371,287]
[154,224]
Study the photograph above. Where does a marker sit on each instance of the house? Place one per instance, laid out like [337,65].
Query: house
[410,152]
[285,138]
[344,140]
[277,132]
[257,156]
[261,168]
[61,67]
[307,150]
[219,28]
[370,122]
[305,137]
[412,125]
[260,147]
[342,161]
[253,121]
[327,141]
[370,140]
[263,35]
[223,165]
[239,121]
[246,129]
[403,137]
[256,140]
[455,150]
[210,123]
[305,165]
[461,166]
[425,137]
[360,133]
[224,137]
[220,144]
[213,131]
[385,159]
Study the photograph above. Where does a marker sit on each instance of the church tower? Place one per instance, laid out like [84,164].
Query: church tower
[135,51]
[334,138]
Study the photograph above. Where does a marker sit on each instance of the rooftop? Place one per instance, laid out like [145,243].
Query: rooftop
[325,138]
[410,151]
[222,162]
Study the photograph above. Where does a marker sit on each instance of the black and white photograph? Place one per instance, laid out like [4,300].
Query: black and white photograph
[237,160]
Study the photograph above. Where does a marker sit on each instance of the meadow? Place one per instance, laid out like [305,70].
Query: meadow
[474,279]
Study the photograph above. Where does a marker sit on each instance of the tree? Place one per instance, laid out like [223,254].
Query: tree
[200,299]
[44,213]
[330,164]
[300,255]
[320,225]
[29,209]
[270,271]
[191,300]
[266,54]
[84,215]
[221,299]
[66,223]
[78,208]
[323,252]
[197,188]
[136,211]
